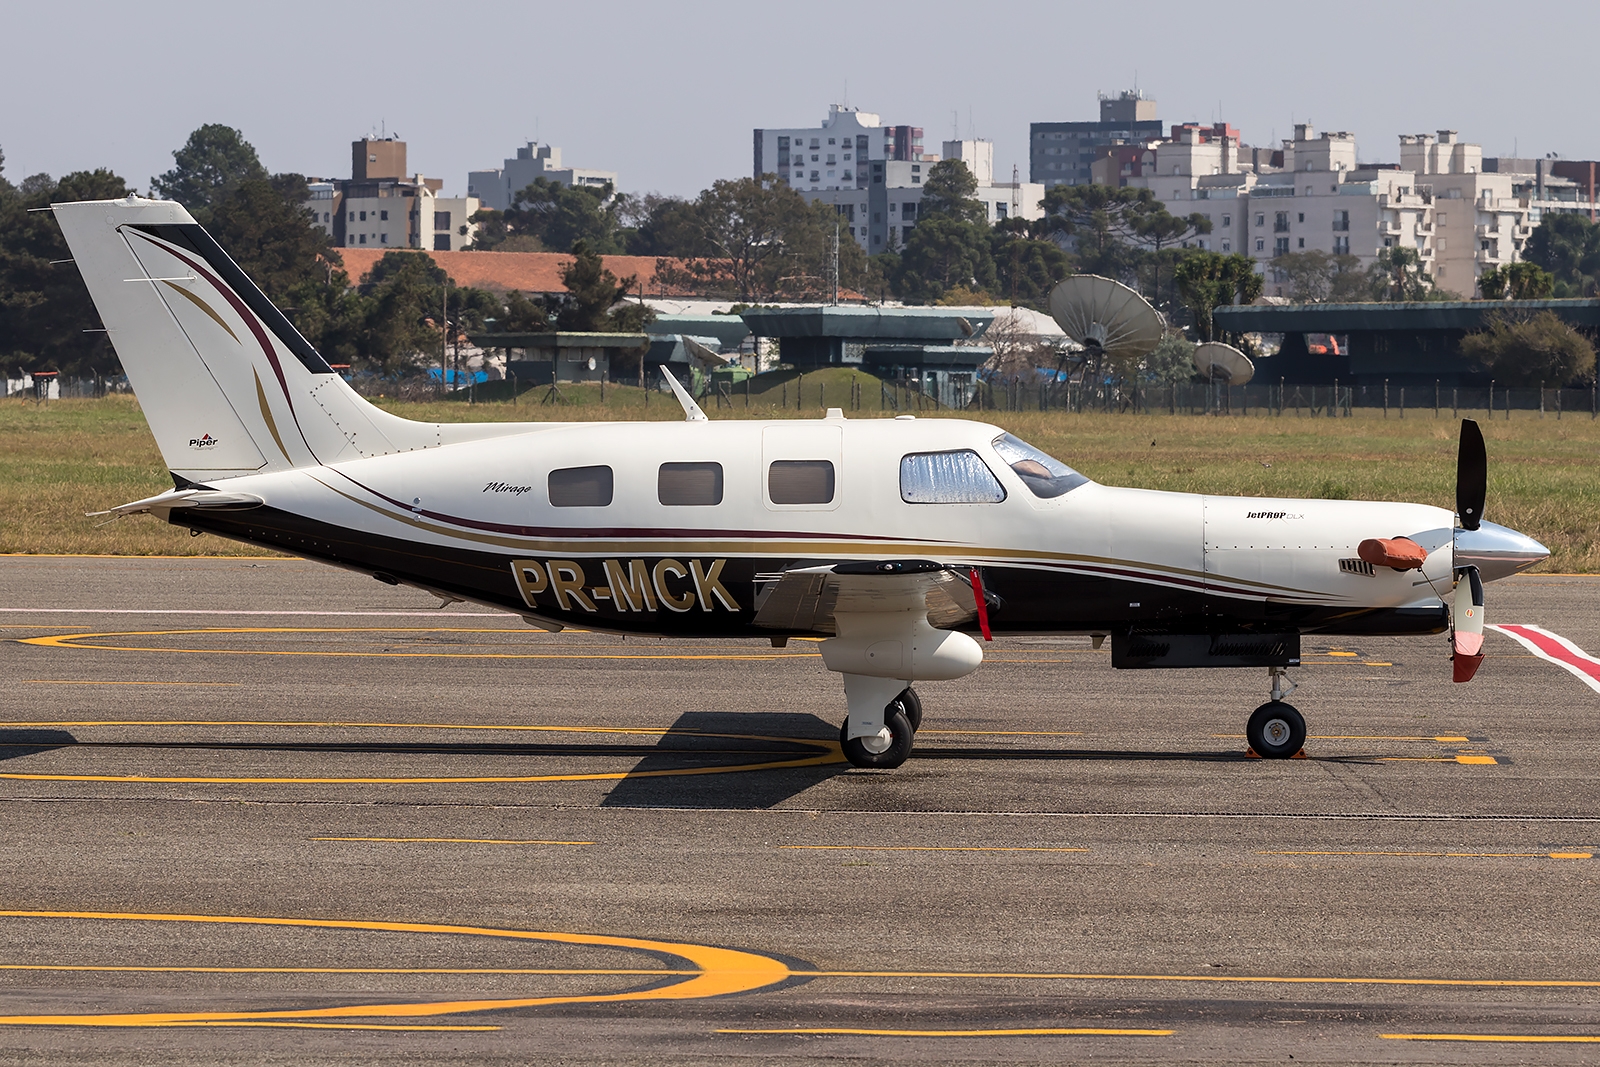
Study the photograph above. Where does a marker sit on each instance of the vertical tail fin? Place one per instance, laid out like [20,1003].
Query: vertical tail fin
[227,383]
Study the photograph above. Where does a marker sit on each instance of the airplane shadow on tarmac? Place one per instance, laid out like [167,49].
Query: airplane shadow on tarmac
[731,739]
[665,778]
[14,743]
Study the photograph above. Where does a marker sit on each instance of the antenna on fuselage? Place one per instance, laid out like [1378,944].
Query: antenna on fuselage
[691,410]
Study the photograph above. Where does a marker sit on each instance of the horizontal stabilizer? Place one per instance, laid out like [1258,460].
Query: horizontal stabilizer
[163,503]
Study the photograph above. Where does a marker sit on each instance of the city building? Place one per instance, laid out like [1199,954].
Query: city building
[498,188]
[836,154]
[1062,153]
[1479,221]
[1461,217]
[881,214]
[1550,185]
[1403,344]
[929,348]
[378,205]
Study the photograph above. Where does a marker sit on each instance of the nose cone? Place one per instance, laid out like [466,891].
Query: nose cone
[1497,551]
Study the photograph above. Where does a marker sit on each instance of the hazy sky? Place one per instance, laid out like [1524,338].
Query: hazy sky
[667,94]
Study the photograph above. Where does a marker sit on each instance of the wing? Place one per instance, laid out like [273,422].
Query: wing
[808,599]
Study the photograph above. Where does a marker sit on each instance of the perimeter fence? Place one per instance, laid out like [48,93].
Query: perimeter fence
[1284,399]
[1255,400]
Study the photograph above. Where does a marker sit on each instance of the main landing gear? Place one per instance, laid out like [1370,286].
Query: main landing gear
[890,746]
[1276,730]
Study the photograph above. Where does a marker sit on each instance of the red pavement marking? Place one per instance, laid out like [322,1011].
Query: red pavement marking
[1556,649]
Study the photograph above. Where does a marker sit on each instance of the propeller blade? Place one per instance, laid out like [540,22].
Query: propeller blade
[1467,642]
[1472,475]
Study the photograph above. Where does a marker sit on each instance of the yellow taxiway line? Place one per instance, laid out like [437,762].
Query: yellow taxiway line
[1029,1032]
[717,972]
[826,752]
[82,641]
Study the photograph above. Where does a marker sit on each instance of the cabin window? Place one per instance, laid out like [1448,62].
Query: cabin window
[800,481]
[948,478]
[1044,475]
[689,484]
[581,487]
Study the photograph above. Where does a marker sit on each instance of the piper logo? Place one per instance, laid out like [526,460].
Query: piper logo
[202,442]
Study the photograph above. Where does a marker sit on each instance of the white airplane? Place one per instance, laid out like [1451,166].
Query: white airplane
[900,541]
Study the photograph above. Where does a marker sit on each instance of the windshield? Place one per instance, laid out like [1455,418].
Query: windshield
[1043,474]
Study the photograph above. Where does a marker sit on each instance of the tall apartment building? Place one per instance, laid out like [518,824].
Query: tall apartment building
[835,155]
[1479,220]
[882,214]
[498,188]
[1438,200]
[1062,153]
[379,205]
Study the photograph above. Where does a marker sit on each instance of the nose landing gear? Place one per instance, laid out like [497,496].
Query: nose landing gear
[1276,730]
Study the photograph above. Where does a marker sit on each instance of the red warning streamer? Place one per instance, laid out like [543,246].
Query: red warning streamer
[983,606]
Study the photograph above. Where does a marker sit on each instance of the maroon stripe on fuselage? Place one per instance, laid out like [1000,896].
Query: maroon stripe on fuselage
[564,531]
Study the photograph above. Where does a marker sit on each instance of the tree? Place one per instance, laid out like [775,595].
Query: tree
[1172,360]
[1209,280]
[593,296]
[47,320]
[1108,227]
[943,252]
[1399,275]
[1026,269]
[1568,246]
[1316,277]
[215,159]
[557,216]
[263,224]
[1517,281]
[761,239]
[1527,350]
[668,226]
[6,188]
[950,191]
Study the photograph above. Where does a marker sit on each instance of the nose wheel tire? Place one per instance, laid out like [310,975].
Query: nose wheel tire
[911,704]
[885,751]
[1276,730]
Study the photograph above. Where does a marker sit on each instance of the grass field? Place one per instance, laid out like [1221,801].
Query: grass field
[72,456]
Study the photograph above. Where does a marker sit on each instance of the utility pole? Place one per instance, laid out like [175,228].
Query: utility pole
[834,270]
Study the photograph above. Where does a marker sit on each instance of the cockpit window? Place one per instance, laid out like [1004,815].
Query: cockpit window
[948,478]
[1043,474]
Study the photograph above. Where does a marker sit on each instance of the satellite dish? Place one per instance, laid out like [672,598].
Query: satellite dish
[591,363]
[1106,317]
[707,357]
[1223,363]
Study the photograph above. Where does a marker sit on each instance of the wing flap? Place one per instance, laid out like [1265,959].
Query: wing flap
[808,599]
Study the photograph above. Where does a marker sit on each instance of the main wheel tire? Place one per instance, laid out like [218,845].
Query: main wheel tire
[881,752]
[911,704]
[1276,730]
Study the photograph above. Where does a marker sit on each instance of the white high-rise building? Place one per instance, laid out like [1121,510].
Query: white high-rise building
[832,156]
[1436,200]
[498,188]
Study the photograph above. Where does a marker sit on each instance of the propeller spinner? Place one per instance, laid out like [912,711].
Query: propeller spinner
[1481,552]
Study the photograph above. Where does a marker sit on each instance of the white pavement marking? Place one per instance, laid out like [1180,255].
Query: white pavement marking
[1556,649]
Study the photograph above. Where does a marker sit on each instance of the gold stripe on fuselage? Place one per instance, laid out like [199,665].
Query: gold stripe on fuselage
[807,549]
